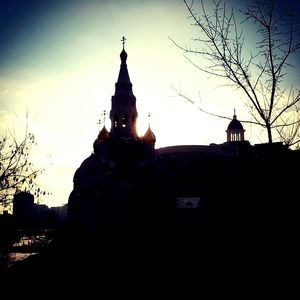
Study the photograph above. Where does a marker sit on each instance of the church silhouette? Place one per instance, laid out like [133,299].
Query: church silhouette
[146,222]
[127,182]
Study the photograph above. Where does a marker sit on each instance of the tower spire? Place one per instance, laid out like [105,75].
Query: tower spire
[123,112]
[123,75]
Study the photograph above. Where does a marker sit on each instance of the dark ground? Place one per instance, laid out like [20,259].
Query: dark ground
[122,264]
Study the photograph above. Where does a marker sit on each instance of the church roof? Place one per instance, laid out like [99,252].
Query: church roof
[123,56]
[235,124]
[123,75]
[102,136]
[123,86]
[149,135]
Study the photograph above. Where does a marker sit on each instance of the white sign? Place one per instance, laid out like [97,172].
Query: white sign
[191,202]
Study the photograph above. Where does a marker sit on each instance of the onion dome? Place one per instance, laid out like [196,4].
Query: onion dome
[123,56]
[149,136]
[102,137]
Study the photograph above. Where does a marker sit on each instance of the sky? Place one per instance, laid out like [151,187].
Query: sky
[59,61]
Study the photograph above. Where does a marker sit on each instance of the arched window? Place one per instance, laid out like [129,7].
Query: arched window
[116,120]
[125,120]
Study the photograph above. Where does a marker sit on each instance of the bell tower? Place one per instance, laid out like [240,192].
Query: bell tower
[123,114]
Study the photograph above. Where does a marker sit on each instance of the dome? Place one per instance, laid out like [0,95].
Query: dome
[123,56]
[102,136]
[149,136]
[235,124]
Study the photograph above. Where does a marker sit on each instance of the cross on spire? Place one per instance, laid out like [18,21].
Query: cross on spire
[123,41]
[103,117]
[149,118]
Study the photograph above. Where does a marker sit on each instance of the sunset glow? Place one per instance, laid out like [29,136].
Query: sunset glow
[59,63]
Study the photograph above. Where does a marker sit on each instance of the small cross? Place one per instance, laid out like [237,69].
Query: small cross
[149,117]
[123,41]
[104,116]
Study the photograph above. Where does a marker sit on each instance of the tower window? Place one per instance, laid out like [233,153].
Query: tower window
[125,120]
[116,120]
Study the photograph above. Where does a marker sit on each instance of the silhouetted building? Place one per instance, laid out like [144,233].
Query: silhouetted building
[30,215]
[57,216]
[24,209]
[235,130]
[105,185]
[127,181]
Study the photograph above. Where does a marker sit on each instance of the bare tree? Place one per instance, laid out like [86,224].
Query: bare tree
[260,72]
[17,173]
[290,135]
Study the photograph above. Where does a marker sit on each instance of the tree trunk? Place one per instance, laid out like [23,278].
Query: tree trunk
[268,126]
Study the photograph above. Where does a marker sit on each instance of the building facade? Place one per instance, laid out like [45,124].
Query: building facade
[127,181]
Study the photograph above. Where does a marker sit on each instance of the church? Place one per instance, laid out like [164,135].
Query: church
[127,181]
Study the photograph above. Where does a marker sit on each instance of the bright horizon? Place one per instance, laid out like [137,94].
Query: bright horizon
[60,63]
